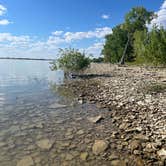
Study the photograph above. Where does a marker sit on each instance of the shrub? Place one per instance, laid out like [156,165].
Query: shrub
[71,60]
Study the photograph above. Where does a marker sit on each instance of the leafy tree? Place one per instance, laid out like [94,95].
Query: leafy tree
[115,44]
[71,60]
[137,19]
[150,47]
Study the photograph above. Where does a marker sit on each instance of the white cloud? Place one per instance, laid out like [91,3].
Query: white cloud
[7,37]
[97,33]
[2,10]
[105,16]
[161,17]
[95,49]
[24,45]
[4,22]
[57,33]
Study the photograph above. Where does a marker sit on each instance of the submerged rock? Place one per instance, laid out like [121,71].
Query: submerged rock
[95,119]
[56,106]
[99,146]
[84,156]
[26,161]
[44,144]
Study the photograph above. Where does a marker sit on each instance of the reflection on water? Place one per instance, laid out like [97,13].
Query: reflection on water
[37,125]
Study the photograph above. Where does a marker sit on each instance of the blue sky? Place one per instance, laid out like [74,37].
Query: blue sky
[37,28]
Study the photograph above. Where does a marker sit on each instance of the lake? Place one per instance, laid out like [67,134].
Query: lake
[40,121]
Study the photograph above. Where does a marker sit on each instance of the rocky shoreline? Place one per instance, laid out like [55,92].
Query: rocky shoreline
[136,100]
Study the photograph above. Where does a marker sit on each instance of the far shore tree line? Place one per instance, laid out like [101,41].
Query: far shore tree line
[131,41]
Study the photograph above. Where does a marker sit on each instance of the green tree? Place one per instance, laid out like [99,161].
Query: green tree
[115,44]
[137,19]
[71,60]
[150,47]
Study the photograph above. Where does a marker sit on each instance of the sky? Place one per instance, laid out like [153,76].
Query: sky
[38,28]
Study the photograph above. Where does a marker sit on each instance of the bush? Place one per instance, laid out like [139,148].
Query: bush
[71,60]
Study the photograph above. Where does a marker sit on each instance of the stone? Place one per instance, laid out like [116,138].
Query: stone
[56,106]
[139,162]
[113,157]
[26,161]
[95,119]
[84,156]
[141,137]
[80,132]
[162,153]
[117,163]
[134,145]
[69,157]
[99,146]
[44,144]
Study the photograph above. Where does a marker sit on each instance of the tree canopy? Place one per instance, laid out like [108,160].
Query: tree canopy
[135,20]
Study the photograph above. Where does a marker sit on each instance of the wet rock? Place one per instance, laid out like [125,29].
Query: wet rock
[26,161]
[69,157]
[84,156]
[95,119]
[56,106]
[99,146]
[80,132]
[44,144]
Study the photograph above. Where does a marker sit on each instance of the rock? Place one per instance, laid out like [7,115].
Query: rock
[84,156]
[81,101]
[117,163]
[141,137]
[99,146]
[113,157]
[95,119]
[56,106]
[26,161]
[162,153]
[80,132]
[134,145]
[69,157]
[139,162]
[44,144]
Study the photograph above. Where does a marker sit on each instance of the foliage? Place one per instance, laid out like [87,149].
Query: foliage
[71,60]
[150,47]
[135,20]
[97,60]
[115,44]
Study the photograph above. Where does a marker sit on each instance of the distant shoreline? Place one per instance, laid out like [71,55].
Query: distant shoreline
[35,59]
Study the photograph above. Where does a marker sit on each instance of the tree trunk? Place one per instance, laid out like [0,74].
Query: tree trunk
[122,61]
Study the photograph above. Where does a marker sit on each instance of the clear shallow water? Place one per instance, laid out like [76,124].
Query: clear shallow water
[34,130]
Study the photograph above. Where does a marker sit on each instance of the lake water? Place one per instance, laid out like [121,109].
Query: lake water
[40,122]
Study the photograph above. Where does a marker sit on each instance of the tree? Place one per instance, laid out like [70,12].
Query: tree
[120,44]
[71,60]
[150,47]
[115,44]
[137,19]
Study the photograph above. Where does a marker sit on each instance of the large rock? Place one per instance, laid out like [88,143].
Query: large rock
[44,144]
[162,153]
[83,156]
[95,119]
[26,161]
[99,146]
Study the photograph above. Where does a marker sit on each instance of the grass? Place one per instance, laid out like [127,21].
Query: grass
[156,88]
